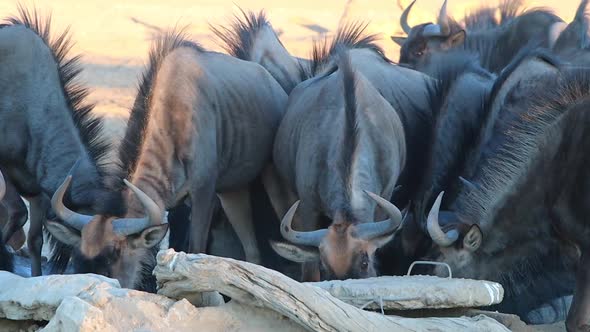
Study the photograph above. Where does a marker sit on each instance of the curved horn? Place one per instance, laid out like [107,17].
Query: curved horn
[443,20]
[303,238]
[403,20]
[71,218]
[432,30]
[436,233]
[372,230]
[2,186]
[128,226]
[581,11]
[467,183]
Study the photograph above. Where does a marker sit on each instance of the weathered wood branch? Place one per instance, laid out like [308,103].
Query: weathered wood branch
[311,307]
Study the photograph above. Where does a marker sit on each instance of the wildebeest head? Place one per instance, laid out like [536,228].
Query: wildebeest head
[426,38]
[113,247]
[457,241]
[346,249]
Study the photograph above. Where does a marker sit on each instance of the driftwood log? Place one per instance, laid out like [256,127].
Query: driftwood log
[311,307]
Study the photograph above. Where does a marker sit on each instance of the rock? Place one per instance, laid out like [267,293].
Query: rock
[414,292]
[112,309]
[76,315]
[7,325]
[38,298]
[512,322]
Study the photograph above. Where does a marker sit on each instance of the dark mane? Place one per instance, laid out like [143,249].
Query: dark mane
[482,18]
[349,36]
[485,17]
[497,45]
[140,113]
[89,126]
[239,38]
[518,134]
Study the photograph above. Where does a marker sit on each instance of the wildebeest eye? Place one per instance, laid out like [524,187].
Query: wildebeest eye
[418,53]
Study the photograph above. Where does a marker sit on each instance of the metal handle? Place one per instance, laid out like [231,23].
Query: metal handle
[430,263]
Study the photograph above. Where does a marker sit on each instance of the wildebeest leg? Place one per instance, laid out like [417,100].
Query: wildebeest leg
[13,234]
[39,205]
[179,219]
[578,318]
[281,197]
[202,207]
[236,205]
[6,263]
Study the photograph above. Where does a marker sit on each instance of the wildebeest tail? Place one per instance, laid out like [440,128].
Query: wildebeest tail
[351,134]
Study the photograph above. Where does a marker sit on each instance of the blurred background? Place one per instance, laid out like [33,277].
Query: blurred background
[114,35]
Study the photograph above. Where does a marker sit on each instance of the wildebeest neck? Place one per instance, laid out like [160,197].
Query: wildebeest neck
[51,110]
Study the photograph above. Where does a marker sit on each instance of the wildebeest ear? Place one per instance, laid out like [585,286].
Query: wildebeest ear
[295,253]
[473,238]
[63,233]
[399,40]
[149,237]
[454,40]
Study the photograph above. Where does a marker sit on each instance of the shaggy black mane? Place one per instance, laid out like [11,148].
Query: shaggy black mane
[518,133]
[140,113]
[500,43]
[239,38]
[89,126]
[485,17]
[349,36]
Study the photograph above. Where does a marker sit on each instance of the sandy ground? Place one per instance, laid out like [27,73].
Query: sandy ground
[114,36]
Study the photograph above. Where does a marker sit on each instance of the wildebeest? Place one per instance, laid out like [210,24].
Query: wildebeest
[523,218]
[496,45]
[6,263]
[341,148]
[406,91]
[458,100]
[199,127]
[473,104]
[45,124]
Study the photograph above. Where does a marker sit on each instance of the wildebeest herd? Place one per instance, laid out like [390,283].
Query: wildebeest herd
[313,159]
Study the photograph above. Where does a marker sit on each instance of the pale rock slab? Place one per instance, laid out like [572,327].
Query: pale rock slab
[112,310]
[38,298]
[7,325]
[414,292]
